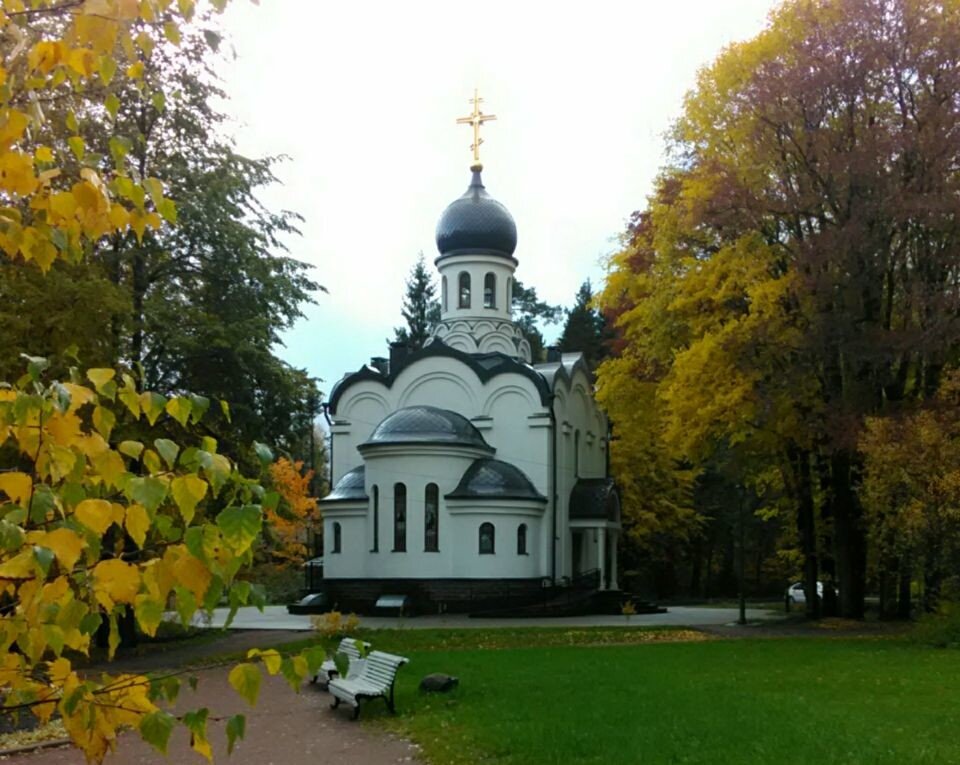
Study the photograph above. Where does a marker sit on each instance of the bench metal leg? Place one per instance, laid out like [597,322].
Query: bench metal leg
[356,711]
[336,702]
[389,701]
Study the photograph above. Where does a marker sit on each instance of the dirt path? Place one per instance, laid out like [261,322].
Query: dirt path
[284,728]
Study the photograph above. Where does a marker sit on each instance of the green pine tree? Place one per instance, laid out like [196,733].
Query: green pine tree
[586,329]
[421,308]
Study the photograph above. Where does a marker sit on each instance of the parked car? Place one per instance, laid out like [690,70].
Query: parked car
[795,593]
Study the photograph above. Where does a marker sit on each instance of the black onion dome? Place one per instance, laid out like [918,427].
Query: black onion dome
[349,487]
[476,223]
[426,425]
[493,479]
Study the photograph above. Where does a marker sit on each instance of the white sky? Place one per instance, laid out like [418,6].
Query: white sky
[363,97]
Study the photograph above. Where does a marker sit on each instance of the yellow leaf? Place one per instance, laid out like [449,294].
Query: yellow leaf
[95,514]
[152,405]
[179,408]
[81,60]
[16,170]
[66,544]
[271,660]
[65,429]
[110,467]
[137,523]
[79,395]
[21,566]
[43,154]
[115,581]
[192,574]
[129,397]
[100,377]
[103,421]
[187,491]
[135,71]
[17,486]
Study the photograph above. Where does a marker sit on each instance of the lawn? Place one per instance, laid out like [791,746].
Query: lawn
[536,699]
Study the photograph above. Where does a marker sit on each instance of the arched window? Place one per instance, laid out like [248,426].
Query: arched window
[376,520]
[490,291]
[576,454]
[463,289]
[487,542]
[509,302]
[399,517]
[336,538]
[431,518]
[443,292]
[522,539]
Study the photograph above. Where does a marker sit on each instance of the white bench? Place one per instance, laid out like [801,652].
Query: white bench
[376,678]
[350,648]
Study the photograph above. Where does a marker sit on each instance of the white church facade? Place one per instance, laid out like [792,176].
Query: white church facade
[462,473]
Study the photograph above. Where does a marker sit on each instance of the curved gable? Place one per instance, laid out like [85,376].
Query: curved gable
[485,366]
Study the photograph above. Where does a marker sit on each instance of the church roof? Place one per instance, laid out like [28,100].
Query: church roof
[494,479]
[350,487]
[476,223]
[595,499]
[485,365]
[426,425]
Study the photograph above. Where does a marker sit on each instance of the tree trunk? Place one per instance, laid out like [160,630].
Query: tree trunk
[904,604]
[888,587]
[806,529]
[697,569]
[849,539]
[828,565]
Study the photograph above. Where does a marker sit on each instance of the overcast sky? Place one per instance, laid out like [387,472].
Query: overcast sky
[363,97]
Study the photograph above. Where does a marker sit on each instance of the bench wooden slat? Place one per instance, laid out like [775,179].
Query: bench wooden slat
[376,678]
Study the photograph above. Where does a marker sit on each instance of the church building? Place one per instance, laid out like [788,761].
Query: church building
[465,474]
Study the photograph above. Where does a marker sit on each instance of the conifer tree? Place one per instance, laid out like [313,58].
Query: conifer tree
[586,329]
[421,308]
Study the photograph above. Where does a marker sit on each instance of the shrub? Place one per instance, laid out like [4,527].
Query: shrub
[942,629]
[333,624]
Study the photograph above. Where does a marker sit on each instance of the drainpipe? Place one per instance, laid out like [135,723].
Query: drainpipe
[553,492]
[326,416]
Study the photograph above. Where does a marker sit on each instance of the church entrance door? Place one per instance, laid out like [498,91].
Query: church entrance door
[577,552]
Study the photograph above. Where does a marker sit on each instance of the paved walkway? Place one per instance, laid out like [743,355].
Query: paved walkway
[277,618]
[284,729]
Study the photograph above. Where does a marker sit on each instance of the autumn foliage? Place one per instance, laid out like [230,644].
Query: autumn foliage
[793,275]
[297,511]
[114,500]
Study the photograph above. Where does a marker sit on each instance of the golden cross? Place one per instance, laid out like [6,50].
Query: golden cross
[476,119]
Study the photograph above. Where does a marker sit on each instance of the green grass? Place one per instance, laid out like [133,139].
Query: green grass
[738,701]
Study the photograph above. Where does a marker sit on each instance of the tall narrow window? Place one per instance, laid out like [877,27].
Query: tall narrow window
[443,292]
[399,517]
[463,289]
[431,518]
[576,454]
[509,304]
[490,291]
[487,539]
[522,539]
[336,538]
[376,519]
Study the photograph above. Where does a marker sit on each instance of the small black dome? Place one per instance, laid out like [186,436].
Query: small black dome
[426,424]
[476,223]
[494,479]
[349,487]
